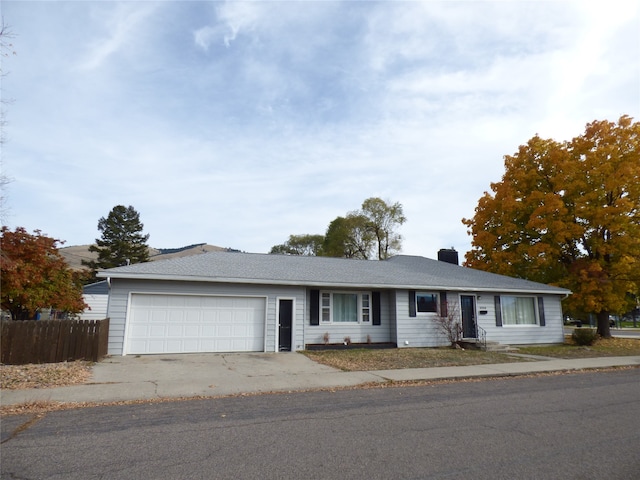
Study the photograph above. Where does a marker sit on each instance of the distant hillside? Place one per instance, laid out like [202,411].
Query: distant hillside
[75,254]
[165,251]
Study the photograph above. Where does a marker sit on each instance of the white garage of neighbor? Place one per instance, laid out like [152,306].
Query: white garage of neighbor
[161,323]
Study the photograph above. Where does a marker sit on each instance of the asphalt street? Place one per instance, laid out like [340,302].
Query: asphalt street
[569,426]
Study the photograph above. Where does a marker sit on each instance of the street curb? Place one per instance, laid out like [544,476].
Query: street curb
[89,395]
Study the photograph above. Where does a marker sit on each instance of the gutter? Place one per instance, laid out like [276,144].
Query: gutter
[333,285]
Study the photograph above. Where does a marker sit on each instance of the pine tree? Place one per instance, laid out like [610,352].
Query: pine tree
[122,241]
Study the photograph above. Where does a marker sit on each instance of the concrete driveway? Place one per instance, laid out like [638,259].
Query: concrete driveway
[218,373]
[140,377]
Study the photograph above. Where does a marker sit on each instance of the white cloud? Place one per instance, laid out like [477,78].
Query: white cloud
[238,16]
[240,123]
[205,36]
[119,24]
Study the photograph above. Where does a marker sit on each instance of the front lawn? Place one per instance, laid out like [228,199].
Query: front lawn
[604,347]
[396,358]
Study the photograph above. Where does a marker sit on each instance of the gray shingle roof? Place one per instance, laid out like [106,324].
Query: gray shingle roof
[398,272]
[98,288]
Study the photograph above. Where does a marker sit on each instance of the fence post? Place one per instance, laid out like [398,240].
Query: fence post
[5,342]
[51,340]
[26,354]
[103,339]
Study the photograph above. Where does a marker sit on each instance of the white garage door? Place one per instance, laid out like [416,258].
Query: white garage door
[193,323]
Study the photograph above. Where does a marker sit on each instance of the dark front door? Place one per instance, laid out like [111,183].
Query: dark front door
[468,308]
[285,319]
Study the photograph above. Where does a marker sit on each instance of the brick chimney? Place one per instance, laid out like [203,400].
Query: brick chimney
[449,255]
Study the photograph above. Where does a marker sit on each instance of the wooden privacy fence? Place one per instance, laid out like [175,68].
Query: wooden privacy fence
[52,341]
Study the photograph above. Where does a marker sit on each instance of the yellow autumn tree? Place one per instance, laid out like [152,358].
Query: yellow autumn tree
[568,214]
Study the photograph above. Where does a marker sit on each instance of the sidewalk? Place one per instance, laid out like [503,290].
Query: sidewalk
[210,375]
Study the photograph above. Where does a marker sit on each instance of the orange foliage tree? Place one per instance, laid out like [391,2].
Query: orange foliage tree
[35,276]
[568,214]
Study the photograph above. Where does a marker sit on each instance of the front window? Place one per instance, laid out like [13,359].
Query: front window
[518,310]
[366,308]
[345,307]
[426,302]
[326,307]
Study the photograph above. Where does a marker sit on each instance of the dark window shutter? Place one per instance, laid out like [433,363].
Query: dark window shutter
[498,311]
[444,309]
[541,311]
[375,298]
[315,307]
[412,303]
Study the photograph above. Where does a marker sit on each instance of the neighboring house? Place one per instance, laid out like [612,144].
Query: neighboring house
[96,296]
[239,302]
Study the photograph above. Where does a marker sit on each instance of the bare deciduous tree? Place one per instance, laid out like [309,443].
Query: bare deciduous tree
[450,323]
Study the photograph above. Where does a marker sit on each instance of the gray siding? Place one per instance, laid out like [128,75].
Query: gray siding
[121,289]
[97,309]
[552,332]
[423,331]
[393,317]
[357,332]
[419,331]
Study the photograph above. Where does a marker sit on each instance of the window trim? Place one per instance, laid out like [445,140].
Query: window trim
[536,312]
[436,302]
[365,308]
[327,307]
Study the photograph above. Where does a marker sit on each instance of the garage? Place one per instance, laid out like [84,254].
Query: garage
[195,323]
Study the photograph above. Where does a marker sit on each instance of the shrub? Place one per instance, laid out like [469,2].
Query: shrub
[584,336]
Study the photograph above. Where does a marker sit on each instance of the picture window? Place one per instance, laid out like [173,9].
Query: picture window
[426,302]
[345,307]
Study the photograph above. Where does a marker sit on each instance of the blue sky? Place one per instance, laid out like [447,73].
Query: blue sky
[240,123]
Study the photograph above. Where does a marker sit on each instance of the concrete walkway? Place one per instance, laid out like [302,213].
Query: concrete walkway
[209,375]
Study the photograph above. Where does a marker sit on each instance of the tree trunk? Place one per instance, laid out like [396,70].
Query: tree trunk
[19,313]
[603,324]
